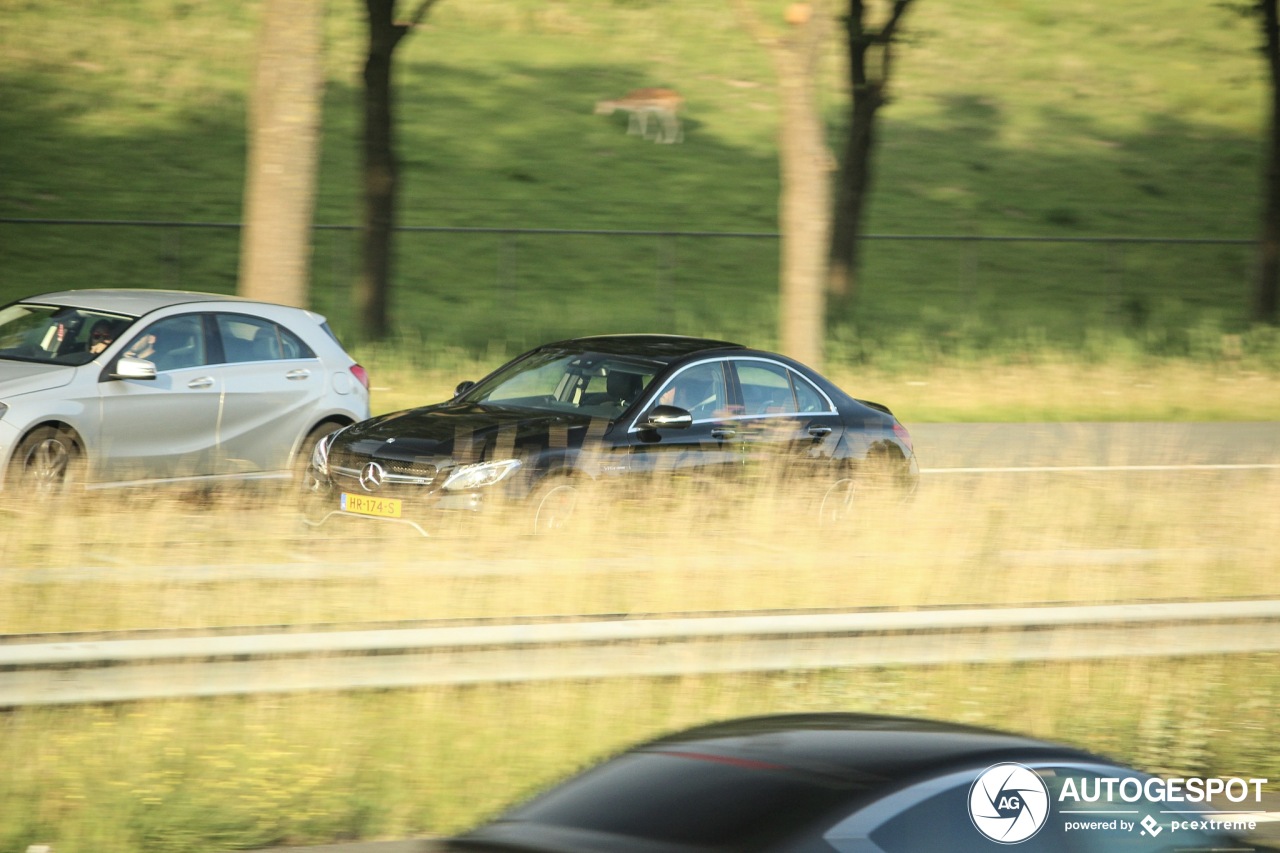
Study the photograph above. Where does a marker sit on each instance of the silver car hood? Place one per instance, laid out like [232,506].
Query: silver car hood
[23,377]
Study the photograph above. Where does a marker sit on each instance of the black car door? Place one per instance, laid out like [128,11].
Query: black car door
[786,425]
[708,446]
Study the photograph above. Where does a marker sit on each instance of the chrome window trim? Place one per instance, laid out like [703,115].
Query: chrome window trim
[853,834]
[832,409]
[653,398]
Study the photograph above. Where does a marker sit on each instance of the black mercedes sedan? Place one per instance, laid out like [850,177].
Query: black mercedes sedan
[857,783]
[611,410]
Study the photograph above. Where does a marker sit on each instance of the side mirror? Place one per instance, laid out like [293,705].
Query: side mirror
[666,417]
[133,368]
[463,387]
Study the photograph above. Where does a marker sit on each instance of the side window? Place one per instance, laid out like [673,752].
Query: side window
[247,338]
[292,346]
[700,390]
[766,388]
[172,343]
[942,822]
[808,398]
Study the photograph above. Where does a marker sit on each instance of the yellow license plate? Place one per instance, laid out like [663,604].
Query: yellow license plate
[365,505]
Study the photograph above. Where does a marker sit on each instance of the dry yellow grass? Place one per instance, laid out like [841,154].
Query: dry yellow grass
[235,773]
[156,562]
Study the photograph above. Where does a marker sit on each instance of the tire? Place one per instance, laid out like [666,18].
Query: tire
[838,503]
[553,506]
[47,465]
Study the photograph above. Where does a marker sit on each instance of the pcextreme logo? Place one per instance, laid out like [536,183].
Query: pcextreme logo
[1009,803]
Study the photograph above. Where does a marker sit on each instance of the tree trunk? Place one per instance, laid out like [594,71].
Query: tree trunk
[373,290]
[854,182]
[284,145]
[804,213]
[853,188]
[1265,293]
[867,88]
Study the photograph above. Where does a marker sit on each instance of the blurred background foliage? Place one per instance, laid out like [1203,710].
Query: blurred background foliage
[1079,124]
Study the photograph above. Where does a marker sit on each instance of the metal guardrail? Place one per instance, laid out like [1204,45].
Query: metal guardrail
[52,673]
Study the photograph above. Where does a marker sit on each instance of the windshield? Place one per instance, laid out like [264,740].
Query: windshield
[554,380]
[52,334]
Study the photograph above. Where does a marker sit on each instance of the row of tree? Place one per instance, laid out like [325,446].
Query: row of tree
[822,202]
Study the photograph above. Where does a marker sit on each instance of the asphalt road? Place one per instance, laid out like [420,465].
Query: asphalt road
[1108,445]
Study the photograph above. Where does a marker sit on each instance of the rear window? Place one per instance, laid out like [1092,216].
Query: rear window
[688,800]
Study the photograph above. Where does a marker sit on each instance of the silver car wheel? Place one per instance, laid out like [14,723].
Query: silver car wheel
[47,462]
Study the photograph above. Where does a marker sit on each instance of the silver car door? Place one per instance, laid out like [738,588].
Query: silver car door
[272,386]
[165,427]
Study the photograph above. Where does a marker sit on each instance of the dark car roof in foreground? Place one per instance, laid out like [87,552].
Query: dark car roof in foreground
[856,745]
[664,347]
[757,782]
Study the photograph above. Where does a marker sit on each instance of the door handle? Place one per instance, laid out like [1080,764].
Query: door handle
[819,431]
[202,382]
[723,433]
[300,373]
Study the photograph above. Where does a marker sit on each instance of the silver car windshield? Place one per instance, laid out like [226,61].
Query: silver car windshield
[595,384]
[54,334]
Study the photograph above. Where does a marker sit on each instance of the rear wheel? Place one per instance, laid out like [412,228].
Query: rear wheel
[554,504]
[838,502]
[47,464]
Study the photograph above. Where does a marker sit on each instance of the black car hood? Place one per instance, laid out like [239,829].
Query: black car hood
[436,430]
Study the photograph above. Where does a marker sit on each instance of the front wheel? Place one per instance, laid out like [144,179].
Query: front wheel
[302,473]
[554,504]
[46,465]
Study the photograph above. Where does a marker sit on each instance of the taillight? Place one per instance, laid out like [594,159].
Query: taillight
[901,432]
[361,375]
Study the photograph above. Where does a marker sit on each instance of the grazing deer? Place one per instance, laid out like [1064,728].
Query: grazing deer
[643,104]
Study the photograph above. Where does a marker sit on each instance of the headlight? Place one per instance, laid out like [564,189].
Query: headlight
[480,474]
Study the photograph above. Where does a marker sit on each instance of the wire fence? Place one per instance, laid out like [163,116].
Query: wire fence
[459,283]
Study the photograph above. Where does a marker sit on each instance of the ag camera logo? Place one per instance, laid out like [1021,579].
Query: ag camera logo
[1008,803]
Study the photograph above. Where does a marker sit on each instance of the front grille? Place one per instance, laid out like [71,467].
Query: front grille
[345,464]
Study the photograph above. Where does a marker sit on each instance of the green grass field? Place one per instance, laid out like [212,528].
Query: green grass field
[1007,121]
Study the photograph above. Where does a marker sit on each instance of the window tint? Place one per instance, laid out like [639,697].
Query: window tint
[247,338]
[808,398]
[942,822]
[172,343]
[766,388]
[700,390]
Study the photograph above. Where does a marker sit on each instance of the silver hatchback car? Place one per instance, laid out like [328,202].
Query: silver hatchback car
[102,388]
